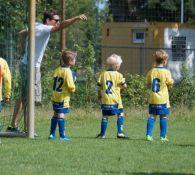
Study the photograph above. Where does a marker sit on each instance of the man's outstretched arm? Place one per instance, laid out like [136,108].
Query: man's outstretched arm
[68,22]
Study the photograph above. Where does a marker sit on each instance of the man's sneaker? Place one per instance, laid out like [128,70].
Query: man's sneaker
[149,138]
[121,136]
[12,129]
[164,139]
[101,136]
[51,137]
[65,138]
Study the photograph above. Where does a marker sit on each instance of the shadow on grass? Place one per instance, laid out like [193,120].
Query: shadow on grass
[185,145]
[142,173]
[109,138]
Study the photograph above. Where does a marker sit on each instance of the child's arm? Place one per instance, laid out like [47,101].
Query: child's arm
[169,80]
[7,81]
[99,94]
[70,82]
[99,88]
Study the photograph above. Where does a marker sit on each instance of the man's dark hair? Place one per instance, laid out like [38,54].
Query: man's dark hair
[49,14]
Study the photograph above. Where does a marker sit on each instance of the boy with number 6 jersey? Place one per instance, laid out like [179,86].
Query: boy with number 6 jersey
[63,86]
[159,80]
[110,83]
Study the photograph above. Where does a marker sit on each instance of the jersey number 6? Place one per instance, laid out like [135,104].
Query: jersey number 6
[156,85]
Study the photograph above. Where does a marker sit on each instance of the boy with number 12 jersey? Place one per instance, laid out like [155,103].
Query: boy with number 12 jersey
[159,80]
[63,86]
[110,83]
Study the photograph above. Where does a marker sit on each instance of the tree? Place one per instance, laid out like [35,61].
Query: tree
[152,10]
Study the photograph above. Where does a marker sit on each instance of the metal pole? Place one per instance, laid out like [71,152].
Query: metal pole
[182,11]
[31,73]
[63,32]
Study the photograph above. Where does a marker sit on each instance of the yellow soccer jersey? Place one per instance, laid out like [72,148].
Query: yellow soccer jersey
[63,85]
[159,79]
[110,83]
[5,76]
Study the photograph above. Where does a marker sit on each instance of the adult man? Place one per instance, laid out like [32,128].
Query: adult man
[42,35]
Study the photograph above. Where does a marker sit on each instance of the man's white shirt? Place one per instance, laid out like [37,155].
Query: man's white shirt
[42,35]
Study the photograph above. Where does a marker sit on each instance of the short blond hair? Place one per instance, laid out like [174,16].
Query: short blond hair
[160,56]
[114,60]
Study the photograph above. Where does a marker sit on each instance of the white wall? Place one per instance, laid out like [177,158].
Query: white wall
[175,66]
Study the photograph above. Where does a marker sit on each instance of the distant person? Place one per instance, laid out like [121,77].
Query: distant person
[42,35]
[110,83]
[63,86]
[159,80]
[5,76]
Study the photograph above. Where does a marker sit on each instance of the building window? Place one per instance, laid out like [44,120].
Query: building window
[138,36]
[178,48]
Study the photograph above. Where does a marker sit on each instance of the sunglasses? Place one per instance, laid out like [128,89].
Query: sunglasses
[56,20]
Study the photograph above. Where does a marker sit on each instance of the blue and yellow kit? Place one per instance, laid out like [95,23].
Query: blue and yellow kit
[110,83]
[5,76]
[63,86]
[159,79]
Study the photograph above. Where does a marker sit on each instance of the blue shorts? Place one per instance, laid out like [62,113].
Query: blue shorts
[111,109]
[1,106]
[159,109]
[59,108]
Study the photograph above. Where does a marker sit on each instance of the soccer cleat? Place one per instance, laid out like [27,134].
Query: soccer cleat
[149,138]
[121,136]
[164,139]
[65,138]
[51,137]
[101,136]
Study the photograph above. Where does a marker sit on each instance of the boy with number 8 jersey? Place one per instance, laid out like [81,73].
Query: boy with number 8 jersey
[110,83]
[63,86]
[159,80]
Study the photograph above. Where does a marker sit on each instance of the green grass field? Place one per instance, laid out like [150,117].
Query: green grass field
[86,155]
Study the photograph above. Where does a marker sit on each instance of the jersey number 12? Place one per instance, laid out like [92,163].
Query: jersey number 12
[57,84]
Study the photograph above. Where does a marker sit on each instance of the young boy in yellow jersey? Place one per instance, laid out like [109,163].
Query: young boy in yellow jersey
[5,76]
[159,80]
[110,83]
[63,86]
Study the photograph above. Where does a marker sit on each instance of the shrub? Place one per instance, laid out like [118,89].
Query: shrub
[136,93]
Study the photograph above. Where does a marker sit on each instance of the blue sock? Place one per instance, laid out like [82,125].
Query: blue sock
[103,126]
[54,122]
[61,124]
[150,126]
[120,121]
[163,127]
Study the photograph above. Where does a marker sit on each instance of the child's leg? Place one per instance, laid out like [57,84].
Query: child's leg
[163,126]
[150,125]
[54,122]
[120,121]
[61,124]
[104,124]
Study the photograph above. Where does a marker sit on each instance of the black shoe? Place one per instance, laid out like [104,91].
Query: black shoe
[101,136]
[13,129]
